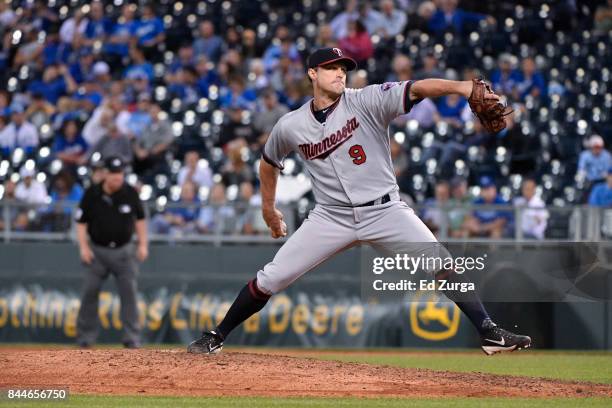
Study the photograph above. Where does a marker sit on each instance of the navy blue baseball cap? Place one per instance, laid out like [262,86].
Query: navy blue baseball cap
[486,182]
[114,164]
[324,56]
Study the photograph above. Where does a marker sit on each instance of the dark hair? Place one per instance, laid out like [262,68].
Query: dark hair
[65,125]
[138,49]
[236,78]
[191,70]
[360,27]
[148,5]
[530,178]
[269,91]
[66,176]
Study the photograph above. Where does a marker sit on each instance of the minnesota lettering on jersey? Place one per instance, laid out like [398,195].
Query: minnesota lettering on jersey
[322,149]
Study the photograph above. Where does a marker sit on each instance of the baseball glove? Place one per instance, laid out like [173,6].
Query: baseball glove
[490,112]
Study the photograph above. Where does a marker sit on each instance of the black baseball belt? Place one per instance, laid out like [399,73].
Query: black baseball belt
[382,200]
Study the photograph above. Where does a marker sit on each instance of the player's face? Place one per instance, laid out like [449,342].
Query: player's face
[114,181]
[331,78]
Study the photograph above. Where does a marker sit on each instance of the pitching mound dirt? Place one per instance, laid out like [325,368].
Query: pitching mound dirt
[174,372]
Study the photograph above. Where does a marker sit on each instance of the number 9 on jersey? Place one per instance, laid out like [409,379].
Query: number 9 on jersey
[357,153]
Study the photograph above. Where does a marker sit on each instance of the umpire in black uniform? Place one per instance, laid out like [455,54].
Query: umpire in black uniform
[107,217]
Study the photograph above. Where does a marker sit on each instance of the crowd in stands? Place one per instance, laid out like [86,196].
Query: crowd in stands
[187,93]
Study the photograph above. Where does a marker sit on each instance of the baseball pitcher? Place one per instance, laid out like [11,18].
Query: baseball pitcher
[342,137]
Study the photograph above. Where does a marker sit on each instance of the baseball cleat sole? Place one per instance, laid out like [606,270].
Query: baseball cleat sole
[490,350]
[195,349]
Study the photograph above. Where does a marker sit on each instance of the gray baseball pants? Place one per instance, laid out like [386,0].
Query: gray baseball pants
[120,262]
[392,227]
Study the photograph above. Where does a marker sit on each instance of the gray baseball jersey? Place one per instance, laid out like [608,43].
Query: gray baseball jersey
[349,161]
[348,156]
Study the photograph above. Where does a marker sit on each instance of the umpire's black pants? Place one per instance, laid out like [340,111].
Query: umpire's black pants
[121,262]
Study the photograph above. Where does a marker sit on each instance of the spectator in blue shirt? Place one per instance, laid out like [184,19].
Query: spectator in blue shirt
[236,94]
[176,74]
[206,76]
[136,84]
[65,193]
[89,96]
[601,195]
[69,146]
[505,78]
[489,223]
[530,81]
[65,188]
[140,118]
[139,65]
[19,133]
[208,44]
[43,17]
[276,51]
[150,32]
[55,51]
[81,68]
[450,109]
[448,16]
[98,26]
[56,81]
[184,59]
[121,33]
[183,85]
[595,162]
[180,219]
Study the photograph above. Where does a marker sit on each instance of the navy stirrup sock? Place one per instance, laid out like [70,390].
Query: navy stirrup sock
[249,301]
[468,302]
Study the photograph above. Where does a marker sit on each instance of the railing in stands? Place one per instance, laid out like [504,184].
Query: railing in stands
[243,223]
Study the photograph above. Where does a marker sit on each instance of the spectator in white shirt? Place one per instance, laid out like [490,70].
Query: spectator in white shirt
[73,27]
[394,20]
[372,19]
[339,23]
[534,217]
[97,125]
[7,15]
[195,171]
[18,133]
[29,190]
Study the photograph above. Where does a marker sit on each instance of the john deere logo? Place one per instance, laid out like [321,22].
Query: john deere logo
[432,319]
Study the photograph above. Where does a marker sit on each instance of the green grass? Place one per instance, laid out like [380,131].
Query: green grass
[592,367]
[150,402]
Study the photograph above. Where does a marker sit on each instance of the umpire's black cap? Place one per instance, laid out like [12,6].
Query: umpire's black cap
[114,164]
[324,56]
